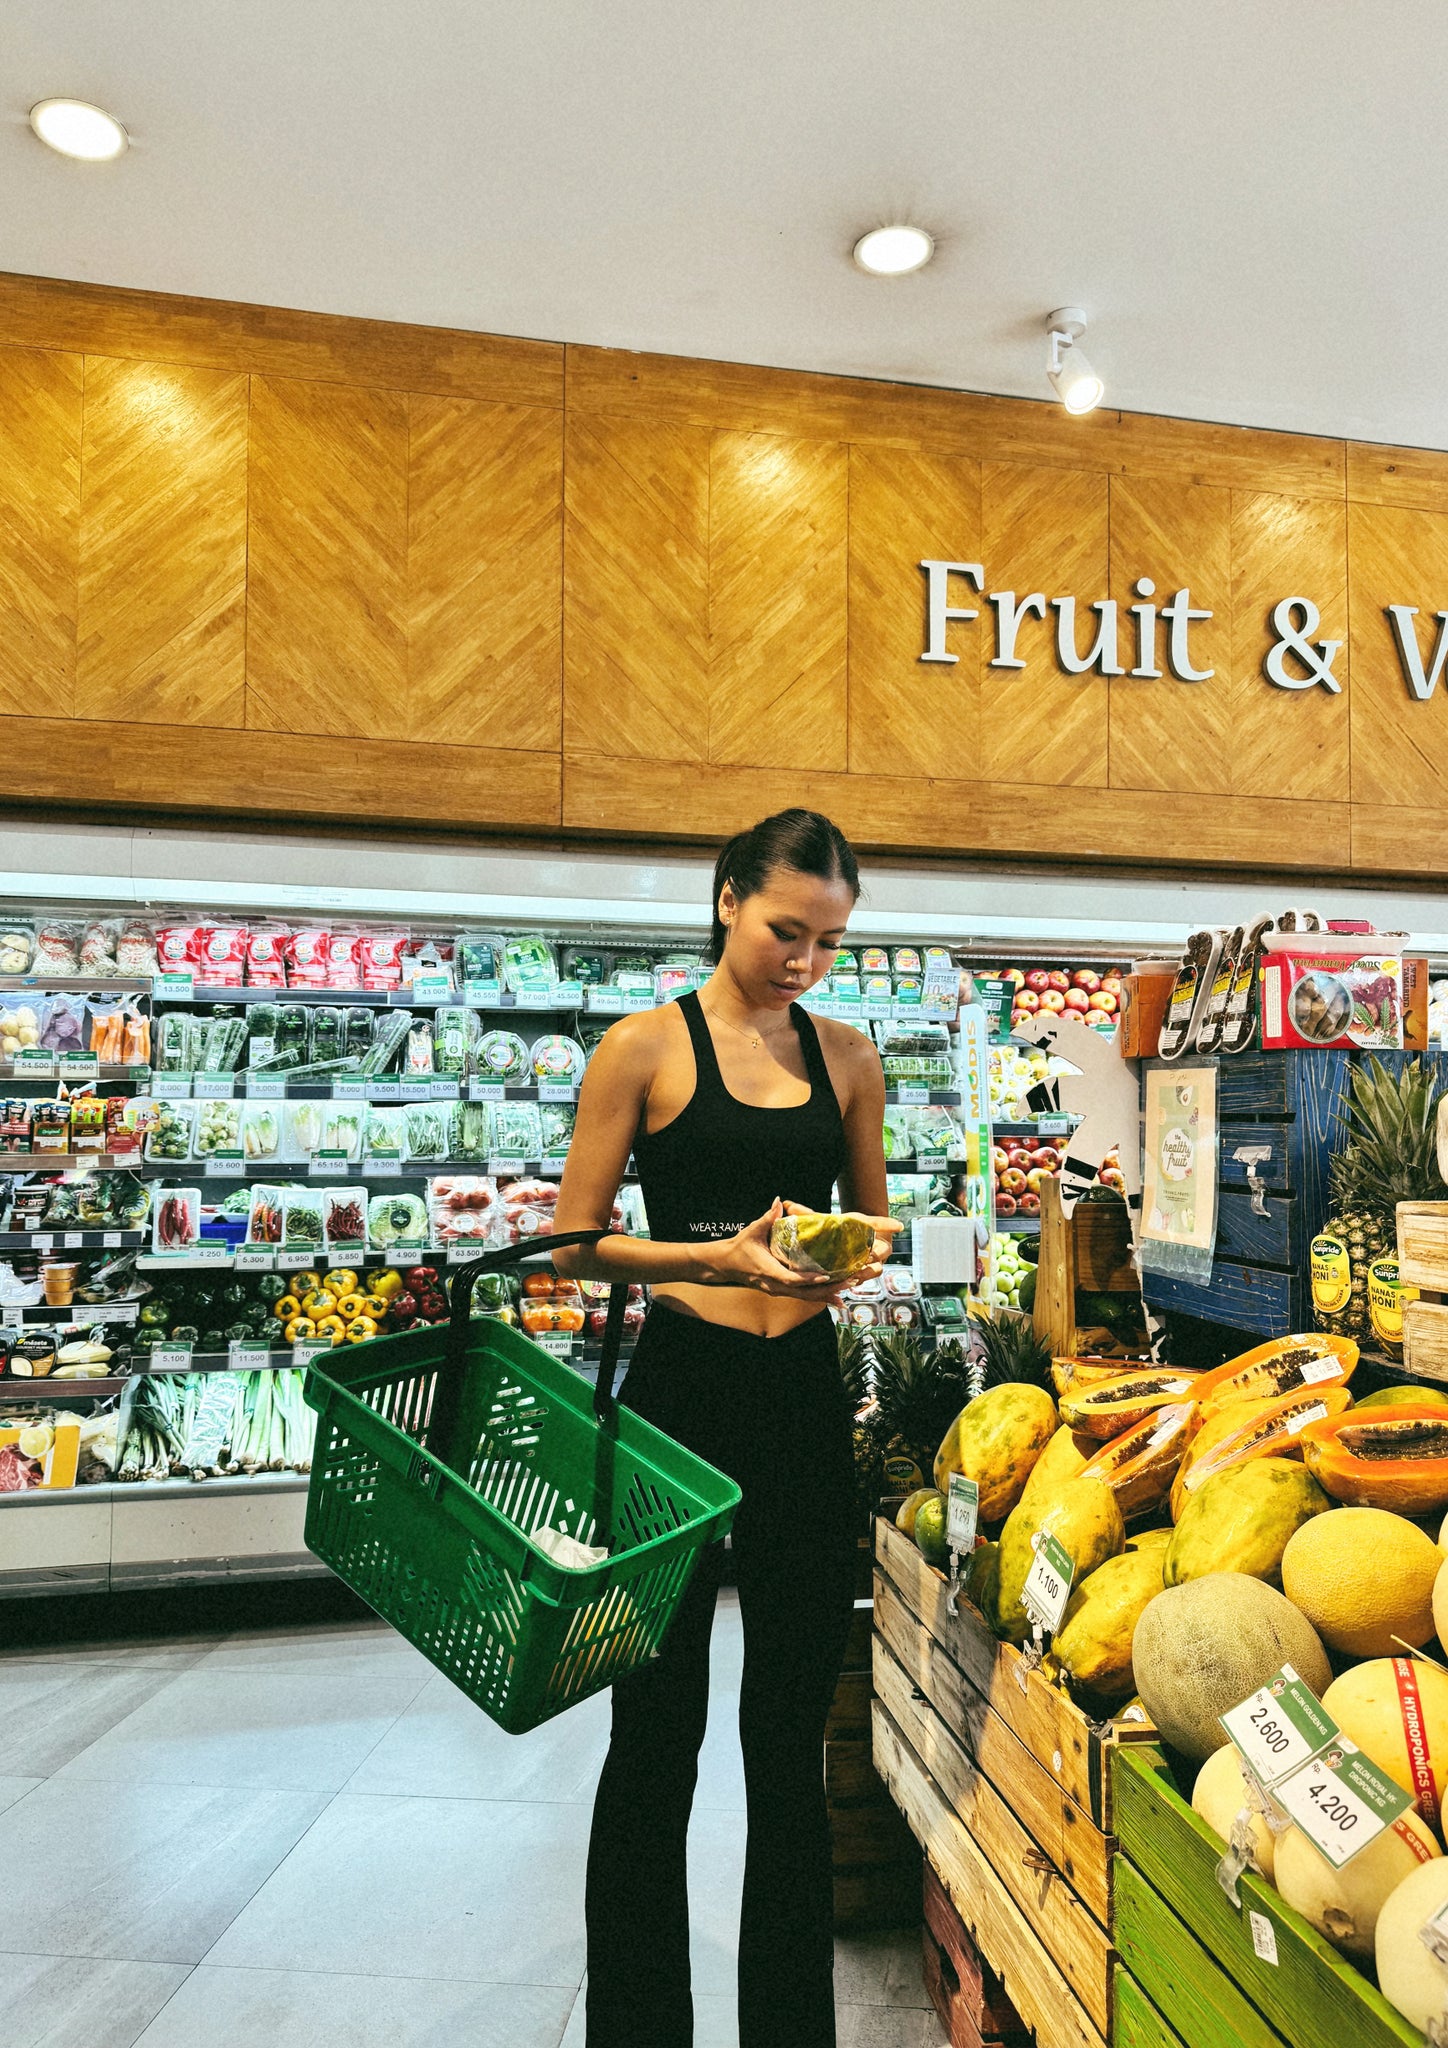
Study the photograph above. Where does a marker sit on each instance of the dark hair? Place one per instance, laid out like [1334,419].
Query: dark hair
[803,840]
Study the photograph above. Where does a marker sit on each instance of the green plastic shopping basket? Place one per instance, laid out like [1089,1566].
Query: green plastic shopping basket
[440,1453]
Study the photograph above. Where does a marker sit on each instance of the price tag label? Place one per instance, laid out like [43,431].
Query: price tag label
[1315,1370]
[79,1066]
[550,1091]
[379,1163]
[558,1342]
[325,1165]
[214,1087]
[230,1164]
[254,1258]
[171,1358]
[389,1091]
[268,1088]
[463,1254]
[295,1261]
[1341,1801]
[171,1087]
[443,1089]
[1264,1937]
[1434,1934]
[908,1092]
[1279,1727]
[962,1510]
[504,1169]
[431,988]
[172,988]
[41,1241]
[307,1348]
[635,999]
[1315,1411]
[486,1091]
[73,1240]
[346,1251]
[351,1091]
[481,995]
[1053,1126]
[33,1063]
[606,1002]
[1048,1583]
[111,1239]
[931,1162]
[247,1353]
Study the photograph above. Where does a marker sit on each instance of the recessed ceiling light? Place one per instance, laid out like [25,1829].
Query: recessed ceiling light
[76,128]
[892,252]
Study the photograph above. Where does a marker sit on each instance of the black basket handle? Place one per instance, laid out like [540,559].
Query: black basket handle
[460,1295]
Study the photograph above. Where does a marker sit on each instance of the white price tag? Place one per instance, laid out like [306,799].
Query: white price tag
[254,1259]
[226,1165]
[1434,1934]
[34,1064]
[328,1164]
[558,1342]
[172,988]
[486,1091]
[550,1091]
[1053,1126]
[171,1087]
[480,994]
[269,1089]
[245,1354]
[931,1162]
[910,1092]
[79,1066]
[1316,1370]
[41,1241]
[307,1348]
[1341,1801]
[1264,1937]
[431,988]
[443,1088]
[111,1239]
[381,1162]
[962,1510]
[1314,1412]
[351,1091]
[1048,1583]
[504,1169]
[171,1358]
[1279,1727]
[214,1087]
[463,1254]
[605,1001]
[74,1239]
[295,1262]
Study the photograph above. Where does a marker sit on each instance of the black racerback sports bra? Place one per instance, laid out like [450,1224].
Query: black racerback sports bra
[721,1162]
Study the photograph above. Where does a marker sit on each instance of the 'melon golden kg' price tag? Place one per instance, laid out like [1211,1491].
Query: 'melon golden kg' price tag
[1331,1270]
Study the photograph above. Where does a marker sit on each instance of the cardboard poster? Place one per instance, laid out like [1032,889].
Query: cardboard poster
[1179,1176]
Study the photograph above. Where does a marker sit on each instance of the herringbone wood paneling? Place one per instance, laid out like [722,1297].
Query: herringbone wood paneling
[909,717]
[40,435]
[1043,530]
[778,600]
[484,573]
[636,589]
[326,642]
[1167,734]
[1287,742]
[162,620]
[1399,745]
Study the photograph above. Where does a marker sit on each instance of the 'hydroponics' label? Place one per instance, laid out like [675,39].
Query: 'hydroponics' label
[1279,1727]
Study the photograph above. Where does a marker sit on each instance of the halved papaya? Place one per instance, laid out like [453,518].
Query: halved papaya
[1106,1407]
[1084,1372]
[1394,1458]
[1263,1429]
[1279,1367]
[1139,1465]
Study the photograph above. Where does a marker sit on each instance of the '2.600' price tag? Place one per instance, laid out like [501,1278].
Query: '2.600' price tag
[962,1510]
[1279,1727]
[1341,1801]
[1048,1583]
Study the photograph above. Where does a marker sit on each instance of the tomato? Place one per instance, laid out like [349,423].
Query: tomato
[538,1285]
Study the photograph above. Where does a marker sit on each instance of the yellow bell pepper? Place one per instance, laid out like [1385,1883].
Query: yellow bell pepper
[344,1280]
[299,1327]
[387,1283]
[320,1302]
[350,1306]
[332,1328]
[374,1305]
[287,1308]
[306,1283]
[361,1330]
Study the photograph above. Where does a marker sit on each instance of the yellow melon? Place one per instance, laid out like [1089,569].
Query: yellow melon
[1344,1904]
[1396,1708]
[1220,1794]
[1364,1578]
[1410,1976]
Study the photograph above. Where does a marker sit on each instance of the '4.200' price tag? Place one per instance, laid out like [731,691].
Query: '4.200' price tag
[1279,1727]
[1048,1584]
[1341,1801]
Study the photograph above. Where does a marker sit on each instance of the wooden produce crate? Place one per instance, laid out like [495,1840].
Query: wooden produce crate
[876,1858]
[964,1990]
[1195,1971]
[1423,1263]
[1007,1786]
[1090,1250]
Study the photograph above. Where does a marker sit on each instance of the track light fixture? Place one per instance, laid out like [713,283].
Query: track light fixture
[1069,374]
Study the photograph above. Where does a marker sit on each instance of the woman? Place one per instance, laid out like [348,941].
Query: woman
[737,1106]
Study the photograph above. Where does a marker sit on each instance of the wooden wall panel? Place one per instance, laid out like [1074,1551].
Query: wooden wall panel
[1168,734]
[1043,530]
[778,597]
[1415,478]
[636,589]
[909,717]
[1287,742]
[40,437]
[1399,745]
[326,647]
[484,573]
[162,618]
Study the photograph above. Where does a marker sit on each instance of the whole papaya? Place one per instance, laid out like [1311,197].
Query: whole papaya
[995,1441]
[1082,1515]
[1240,1520]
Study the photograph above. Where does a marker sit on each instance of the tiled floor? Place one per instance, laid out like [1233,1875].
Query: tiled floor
[291,1838]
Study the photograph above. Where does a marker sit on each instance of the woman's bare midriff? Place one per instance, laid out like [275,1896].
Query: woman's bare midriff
[736,1308]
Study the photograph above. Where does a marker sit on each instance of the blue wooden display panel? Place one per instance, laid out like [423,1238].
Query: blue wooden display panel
[1276,1239]
[1267,1299]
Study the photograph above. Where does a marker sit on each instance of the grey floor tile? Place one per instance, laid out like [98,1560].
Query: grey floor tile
[176,1653]
[716,1878]
[13,1789]
[716,2022]
[75,2002]
[887,2026]
[145,1873]
[51,1712]
[425,1888]
[348,1648]
[263,1730]
[880,1969]
[445,1747]
[303,2009]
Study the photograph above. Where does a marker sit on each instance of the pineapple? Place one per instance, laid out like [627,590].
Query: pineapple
[1389,1157]
[918,1393]
[1012,1351]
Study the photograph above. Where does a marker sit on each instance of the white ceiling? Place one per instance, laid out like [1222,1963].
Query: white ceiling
[1247,199]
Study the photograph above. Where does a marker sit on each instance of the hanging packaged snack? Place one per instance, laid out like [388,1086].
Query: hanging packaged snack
[302,1218]
[417,1058]
[555,1124]
[427,1130]
[1239,1024]
[172,1134]
[501,1056]
[176,1219]
[307,956]
[469,1139]
[266,1214]
[1332,990]
[514,1132]
[344,1216]
[1190,993]
[328,1030]
[530,965]
[343,970]
[17,948]
[453,1035]
[303,1129]
[342,1128]
[218,1128]
[395,1222]
[57,947]
[260,1132]
[385,1131]
[136,948]
[1208,1037]
[557,1061]
[266,955]
[64,1026]
[379,958]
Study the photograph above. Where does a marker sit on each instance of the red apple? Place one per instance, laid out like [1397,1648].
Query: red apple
[1028,1000]
[1018,1156]
[1113,984]
[1020,1018]
[1012,1181]
[1006,1205]
[1015,974]
[1101,999]
[1038,1174]
[1052,999]
[1058,978]
[1112,1177]
[1099,1021]
[998,1159]
[1087,978]
[1077,999]
[1038,979]
[1030,1205]
[1047,1156]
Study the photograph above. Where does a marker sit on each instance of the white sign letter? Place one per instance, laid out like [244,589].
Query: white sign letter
[1008,623]
[937,611]
[1179,615]
[1103,653]
[1406,635]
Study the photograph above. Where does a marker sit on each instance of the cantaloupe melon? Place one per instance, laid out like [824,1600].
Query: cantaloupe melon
[1200,1648]
[1220,1794]
[1410,1976]
[1396,1708]
[1062,1459]
[1344,1904]
[1364,1579]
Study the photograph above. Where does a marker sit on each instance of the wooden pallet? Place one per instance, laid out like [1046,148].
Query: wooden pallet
[1007,1787]
[964,1990]
[1423,1263]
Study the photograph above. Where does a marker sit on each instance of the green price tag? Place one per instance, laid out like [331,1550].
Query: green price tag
[1341,1801]
[962,1510]
[1048,1583]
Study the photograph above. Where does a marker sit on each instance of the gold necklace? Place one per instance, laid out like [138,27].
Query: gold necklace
[754,1037]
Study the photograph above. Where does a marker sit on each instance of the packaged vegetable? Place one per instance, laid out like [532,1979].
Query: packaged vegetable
[386,1129]
[342,968]
[357,1033]
[136,948]
[260,1131]
[379,958]
[427,1130]
[57,947]
[106,1037]
[293,1031]
[344,1215]
[585,964]
[176,1220]
[171,1135]
[220,1043]
[389,1032]
[307,956]
[463,1209]
[174,1043]
[261,1030]
[221,955]
[327,1033]
[395,1220]
[136,1043]
[266,955]
[469,1139]
[303,1129]
[529,964]
[501,1056]
[418,1057]
[17,948]
[266,1214]
[20,1025]
[218,1128]
[342,1128]
[429,959]
[557,1060]
[514,1131]
[479,956]
[555,1123]
[453,1034]
[302,1218]
[64,1026]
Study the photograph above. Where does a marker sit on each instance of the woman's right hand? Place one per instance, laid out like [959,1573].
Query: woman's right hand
[745,1260]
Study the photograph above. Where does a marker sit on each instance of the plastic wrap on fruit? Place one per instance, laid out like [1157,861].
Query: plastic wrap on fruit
[816,1243]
